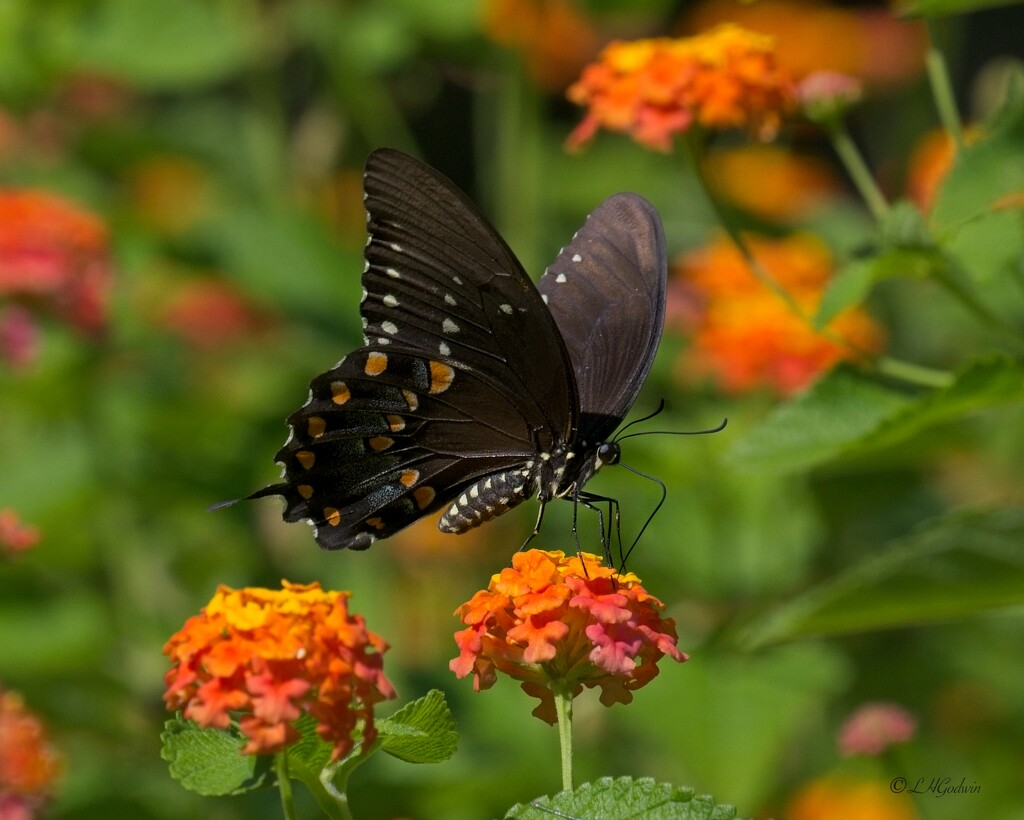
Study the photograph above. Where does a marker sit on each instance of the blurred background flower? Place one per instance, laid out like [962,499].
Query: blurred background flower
[744,336]
[29,765]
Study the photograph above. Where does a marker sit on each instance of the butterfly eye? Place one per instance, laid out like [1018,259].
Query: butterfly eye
[608,453]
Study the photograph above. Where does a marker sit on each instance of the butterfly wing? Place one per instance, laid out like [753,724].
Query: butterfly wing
[606,291]
[462,374]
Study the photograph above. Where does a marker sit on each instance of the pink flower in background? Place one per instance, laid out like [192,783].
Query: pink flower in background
[874,727]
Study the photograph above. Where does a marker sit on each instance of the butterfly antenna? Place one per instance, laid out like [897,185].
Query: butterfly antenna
[648,417]
[716,429]
[650,518]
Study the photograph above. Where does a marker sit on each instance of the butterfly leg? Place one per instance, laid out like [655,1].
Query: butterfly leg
[591,500]
[536,527]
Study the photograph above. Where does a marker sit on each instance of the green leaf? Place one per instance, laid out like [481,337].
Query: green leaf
[847,413]
[607,799]
[849,287]
[839,409]
[904,227]
[941,8]
[310,752]
[962,564]
[210,761]
[420,732]
[986,238]
[853,283]
[155,44]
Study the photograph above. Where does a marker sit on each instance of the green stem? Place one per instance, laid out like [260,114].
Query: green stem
[693,157]
[563,709]
[942,87]
[913,373]
[858,170]
[284,785]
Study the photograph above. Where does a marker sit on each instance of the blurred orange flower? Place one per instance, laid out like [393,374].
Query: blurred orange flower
[209,313]
[554,37]
[15,537]
[654,89]
[812,36]
[743,334]
[54,254]
[930,161]
[849,799]
[558,624]
[170,193]
[788,185]
[28,763]
[272,655]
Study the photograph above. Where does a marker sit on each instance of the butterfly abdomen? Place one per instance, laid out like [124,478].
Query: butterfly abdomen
[487,499]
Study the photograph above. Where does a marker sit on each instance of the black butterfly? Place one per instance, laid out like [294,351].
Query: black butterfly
[474,389]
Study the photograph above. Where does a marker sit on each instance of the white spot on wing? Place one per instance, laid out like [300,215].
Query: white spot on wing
[456,280]
[444,350]
[544,296]
[449,299]
[396,247]
[389,328]
[393,273]
[390,300]
[506,309]
[448,326]
[560,278]
[577,258]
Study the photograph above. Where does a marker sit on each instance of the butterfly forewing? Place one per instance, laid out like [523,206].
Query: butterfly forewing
[440,280]
[606,291]
[462,375]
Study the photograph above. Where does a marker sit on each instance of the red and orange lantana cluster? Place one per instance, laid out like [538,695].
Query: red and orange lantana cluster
[28,764]
[269,656]
[745,337]
[16,537]
[653,89]
[54,257]
[558,624]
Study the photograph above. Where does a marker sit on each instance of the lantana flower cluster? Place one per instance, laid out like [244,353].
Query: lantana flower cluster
[744,336]
[54,258]
[559,624]
[655,88]
[268,656]
[29,765]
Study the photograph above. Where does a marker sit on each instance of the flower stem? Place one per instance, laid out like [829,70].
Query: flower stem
[563,709]
[942,87]
[858,170]
[284,785]
[693,157]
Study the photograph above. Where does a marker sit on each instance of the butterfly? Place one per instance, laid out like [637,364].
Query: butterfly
[474,389]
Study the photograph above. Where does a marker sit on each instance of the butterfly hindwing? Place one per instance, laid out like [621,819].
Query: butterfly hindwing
[606,291]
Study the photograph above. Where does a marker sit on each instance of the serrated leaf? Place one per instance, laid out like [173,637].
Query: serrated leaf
[847,413]
[210,762]
[839,409]
[310,751]
[420,732]
[960,565]
[624,797]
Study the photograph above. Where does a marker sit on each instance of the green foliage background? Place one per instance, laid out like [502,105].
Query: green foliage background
[863,541]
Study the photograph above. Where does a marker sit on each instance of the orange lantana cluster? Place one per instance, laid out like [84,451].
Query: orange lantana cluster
[653,89]
[745,336]
[558,624]
[28,764]
[271,655]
